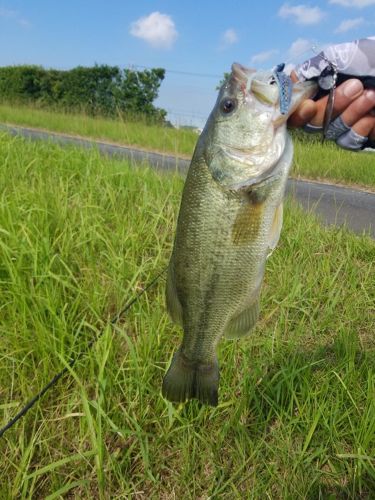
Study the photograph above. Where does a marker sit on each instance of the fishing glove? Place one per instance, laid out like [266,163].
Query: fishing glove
[353,60]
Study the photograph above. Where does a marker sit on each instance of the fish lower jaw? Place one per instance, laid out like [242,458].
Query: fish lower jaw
[251,173]
[246,156]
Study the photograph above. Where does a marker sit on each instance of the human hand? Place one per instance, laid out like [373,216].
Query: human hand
[354,104]
[353,117]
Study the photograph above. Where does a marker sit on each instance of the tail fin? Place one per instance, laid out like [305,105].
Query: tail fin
[187,380]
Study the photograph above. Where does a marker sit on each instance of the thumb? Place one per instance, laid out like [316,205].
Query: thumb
[305,111]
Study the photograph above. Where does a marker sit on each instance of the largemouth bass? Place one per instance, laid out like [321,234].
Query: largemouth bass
[229,222]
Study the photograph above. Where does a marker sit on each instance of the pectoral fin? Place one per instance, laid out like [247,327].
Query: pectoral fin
[249,219]
[242,324]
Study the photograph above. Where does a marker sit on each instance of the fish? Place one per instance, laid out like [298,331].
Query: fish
[229,222]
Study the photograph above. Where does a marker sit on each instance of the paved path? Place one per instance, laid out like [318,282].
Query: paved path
[334,204]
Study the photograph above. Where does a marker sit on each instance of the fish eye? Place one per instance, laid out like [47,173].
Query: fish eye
[228,105]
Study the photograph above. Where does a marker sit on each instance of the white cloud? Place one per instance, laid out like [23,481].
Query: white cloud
[156,29]
[230,37]
[263,56]
[299,47]
[353,3]
[301,14]
[349,24]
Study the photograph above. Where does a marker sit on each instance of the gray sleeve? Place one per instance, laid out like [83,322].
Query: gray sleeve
[355,58]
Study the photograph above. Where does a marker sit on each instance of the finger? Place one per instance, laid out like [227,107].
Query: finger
[303,114]
[356,137]
[365,126]
[305,111]
[345,94]
[371,135]
[293,76]
[359,108]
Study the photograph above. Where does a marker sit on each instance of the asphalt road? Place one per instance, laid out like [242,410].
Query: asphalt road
[333,204]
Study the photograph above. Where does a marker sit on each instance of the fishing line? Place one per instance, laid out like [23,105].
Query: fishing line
[73,360]
[291,59]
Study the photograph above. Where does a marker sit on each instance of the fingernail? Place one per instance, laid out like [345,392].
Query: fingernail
[352,88]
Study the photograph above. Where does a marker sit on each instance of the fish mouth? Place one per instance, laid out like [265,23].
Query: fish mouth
[258,167]
[253,161]
[254,180]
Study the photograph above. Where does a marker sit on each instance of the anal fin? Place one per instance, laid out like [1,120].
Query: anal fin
[243,323]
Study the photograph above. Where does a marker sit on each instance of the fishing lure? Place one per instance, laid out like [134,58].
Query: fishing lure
[327,81]
[285,85]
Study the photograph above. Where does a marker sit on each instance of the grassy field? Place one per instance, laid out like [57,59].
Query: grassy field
[311,160]
[80,235]
[328,162]
[137,134]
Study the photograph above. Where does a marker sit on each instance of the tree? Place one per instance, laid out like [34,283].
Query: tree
[101,89]
[138,90]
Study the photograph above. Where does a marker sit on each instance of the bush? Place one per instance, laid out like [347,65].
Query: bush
[104,90]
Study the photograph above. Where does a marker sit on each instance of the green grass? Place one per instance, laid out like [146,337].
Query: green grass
[137,134]
[80,235]
[312,160]
[328,162]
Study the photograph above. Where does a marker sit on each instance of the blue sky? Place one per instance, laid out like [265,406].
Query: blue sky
[195,41]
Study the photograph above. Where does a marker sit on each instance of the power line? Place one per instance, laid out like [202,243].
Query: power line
[177,72]
[174,111]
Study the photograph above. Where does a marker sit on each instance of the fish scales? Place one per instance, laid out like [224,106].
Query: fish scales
[227,225]
[208,261]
